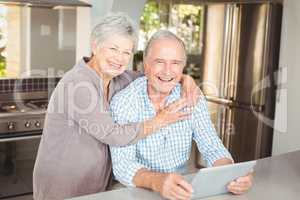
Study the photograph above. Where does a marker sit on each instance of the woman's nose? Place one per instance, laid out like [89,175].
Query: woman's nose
[119,57]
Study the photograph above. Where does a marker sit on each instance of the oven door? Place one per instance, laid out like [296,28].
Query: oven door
[17,158]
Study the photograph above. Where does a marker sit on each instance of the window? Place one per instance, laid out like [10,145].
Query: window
[3,40]
[184,19]
[36,41]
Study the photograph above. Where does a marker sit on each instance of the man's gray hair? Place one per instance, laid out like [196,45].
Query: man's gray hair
[161,34]
[114,23]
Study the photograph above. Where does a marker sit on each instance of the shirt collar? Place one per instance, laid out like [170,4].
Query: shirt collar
[174,95]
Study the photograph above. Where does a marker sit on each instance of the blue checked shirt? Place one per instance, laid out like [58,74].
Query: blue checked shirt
[168,149]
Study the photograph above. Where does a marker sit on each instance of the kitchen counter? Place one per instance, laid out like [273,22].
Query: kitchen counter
[276,178]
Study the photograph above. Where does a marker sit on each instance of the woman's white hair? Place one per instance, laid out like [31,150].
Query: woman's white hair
[111,24]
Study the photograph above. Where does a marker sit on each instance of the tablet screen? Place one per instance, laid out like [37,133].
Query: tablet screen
[212,181]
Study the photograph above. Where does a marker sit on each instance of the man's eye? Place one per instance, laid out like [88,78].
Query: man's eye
[176,63]
[127,53]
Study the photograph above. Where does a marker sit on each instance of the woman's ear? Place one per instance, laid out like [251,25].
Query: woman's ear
[145,68]
[94,48]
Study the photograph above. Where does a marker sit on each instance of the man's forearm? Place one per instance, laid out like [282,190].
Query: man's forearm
[147,179]
[151,180]
[169,185]
[222,161]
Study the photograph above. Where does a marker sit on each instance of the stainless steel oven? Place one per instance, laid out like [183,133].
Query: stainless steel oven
[17,157]
[21,125]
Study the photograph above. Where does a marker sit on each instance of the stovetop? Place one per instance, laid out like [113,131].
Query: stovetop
[22,116]
[22,107]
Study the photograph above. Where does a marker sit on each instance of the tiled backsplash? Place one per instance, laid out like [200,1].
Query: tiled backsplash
[27,85]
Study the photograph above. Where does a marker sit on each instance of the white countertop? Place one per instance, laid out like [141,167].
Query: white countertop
[276,178]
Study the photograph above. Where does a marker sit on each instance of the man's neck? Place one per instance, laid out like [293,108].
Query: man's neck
[157,98]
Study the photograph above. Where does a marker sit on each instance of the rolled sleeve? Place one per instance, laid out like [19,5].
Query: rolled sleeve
[213,156]
[205,135]
[125,165]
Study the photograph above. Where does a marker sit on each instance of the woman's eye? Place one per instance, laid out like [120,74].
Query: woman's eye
[113,48]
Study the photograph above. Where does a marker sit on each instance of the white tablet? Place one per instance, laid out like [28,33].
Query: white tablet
[214,180]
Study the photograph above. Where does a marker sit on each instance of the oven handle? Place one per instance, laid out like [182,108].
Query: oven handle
[20,138]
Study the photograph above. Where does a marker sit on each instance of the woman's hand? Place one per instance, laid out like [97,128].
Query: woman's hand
[166,116]
[190,90]
[172,113]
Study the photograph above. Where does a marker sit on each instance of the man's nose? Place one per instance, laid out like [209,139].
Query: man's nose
[168,69]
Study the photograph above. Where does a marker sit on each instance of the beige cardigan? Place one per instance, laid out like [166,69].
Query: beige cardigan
[73,157]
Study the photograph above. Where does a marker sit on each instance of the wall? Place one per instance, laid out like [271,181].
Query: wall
[286,134]
[52,40]
[133,8]
[87,18]
[83,30]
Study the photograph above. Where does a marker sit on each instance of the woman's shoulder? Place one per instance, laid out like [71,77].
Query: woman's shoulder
[76,75]
[134,88]
[130,93]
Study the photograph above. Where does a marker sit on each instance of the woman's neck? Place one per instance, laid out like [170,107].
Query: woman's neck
[105,78]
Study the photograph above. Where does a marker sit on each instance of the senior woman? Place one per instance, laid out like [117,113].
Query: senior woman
[73,157]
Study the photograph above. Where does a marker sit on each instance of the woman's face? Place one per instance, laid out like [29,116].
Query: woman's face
[113,55]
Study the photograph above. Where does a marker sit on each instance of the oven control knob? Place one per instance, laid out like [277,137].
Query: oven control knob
[27,124]
[11,126]
[37,124]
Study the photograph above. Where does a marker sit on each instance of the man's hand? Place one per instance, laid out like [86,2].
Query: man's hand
[190,90]
[169,185]
[172,186]
[241,184]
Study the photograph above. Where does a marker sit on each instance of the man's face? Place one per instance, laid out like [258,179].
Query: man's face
[164,65]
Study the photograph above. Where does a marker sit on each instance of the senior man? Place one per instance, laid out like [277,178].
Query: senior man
[153,162]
